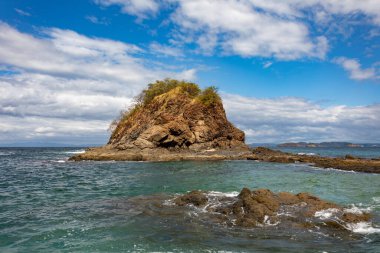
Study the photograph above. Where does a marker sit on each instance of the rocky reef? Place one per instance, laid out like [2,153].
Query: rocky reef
[172,120]
[348,163]
[263,207]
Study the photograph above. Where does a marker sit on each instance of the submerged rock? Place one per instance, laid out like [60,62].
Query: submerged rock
[263,207]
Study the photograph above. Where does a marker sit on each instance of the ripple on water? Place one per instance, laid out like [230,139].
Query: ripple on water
[89,206]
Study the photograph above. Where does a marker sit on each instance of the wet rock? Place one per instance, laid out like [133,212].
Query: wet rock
[349,157]
[266,198]
[263,207]
[355,218]
[314,204]
[349,162]
[197,198]
[286,198]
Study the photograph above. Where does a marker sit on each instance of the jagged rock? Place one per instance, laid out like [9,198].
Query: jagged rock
[176,120]
[197,198]
[355,218]
[262,206]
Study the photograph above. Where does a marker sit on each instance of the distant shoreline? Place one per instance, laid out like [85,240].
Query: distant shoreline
[327,145]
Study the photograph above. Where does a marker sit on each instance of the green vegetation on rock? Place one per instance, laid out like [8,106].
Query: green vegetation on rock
[163,86]
[208,97]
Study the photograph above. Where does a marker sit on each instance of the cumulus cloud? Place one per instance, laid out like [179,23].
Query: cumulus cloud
[254,28]
[355,70]
[63,80]
[139,8]
[238,27]
[272,28]
[296,119]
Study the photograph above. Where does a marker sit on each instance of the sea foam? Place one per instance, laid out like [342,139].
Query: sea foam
[75,151]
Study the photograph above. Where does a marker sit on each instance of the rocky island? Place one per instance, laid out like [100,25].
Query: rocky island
[176,120]
[170,121]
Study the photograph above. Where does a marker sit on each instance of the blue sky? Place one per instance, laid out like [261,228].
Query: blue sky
[292,70]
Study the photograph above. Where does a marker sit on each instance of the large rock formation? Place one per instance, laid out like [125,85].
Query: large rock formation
[176,120]
[173,120]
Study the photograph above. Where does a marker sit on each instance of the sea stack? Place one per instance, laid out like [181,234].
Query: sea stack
[172,120]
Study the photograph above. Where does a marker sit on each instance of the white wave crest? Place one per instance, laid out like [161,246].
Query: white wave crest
[308,154]
[75,151]
[222,194]
[362,228]
[326,214]
[334,170]
[6,153]
[357,210]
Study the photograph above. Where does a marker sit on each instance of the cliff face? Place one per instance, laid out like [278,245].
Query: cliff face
[177,120]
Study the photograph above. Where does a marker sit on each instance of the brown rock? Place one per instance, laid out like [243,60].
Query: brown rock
[176,120]
[197,198]
[262,206]
[267,198]
[286,198]
[355,218]
[349,162]
[314,204]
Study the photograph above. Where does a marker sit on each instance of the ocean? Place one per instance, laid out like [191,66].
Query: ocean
[48,204]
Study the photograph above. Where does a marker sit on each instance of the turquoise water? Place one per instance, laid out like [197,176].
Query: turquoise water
[51,205]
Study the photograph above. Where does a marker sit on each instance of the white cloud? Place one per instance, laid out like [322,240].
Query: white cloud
[296,119]
[355,69]
[98,21]
[22,12]
[139,8]
[370,8]
[46,131]
[67,80]
[255,28]
[165,50]
[238,27]
[267,64]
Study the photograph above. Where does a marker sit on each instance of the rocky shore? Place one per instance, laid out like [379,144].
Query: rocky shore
[348,163]
[160,154]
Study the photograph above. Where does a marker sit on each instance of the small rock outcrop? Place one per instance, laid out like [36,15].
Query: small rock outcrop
[264,207]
